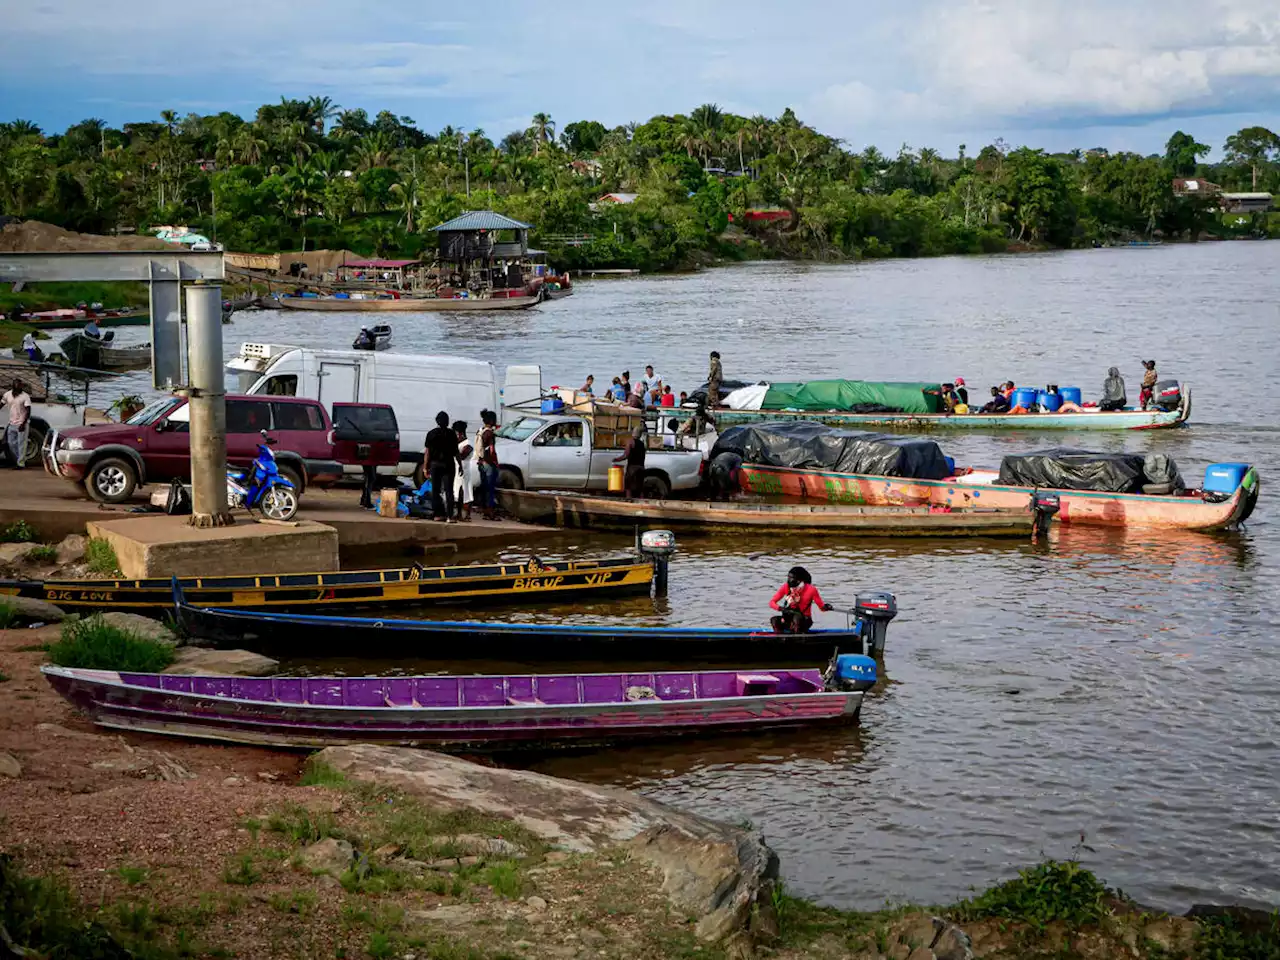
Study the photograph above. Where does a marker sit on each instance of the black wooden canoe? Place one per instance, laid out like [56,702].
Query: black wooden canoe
[509,582]
[302,635]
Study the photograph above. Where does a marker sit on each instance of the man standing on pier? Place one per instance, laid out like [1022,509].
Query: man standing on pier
[442,461]
[15,432]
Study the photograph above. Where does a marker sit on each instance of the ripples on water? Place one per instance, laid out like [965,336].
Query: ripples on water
[1120,685]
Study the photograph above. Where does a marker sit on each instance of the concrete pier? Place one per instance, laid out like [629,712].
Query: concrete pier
[160,546]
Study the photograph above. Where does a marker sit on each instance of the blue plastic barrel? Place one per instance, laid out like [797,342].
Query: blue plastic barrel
[1224,477]
[1070,394]
[1024,397]
[1049,401]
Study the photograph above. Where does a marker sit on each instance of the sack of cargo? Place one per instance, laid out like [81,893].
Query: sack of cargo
[1063,468]
[804,445]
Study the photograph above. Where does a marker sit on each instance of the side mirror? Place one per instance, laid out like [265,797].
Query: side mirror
[162,426]
[263,433]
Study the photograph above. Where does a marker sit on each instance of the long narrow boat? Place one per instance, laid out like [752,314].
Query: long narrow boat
[1089,419]
[577,510]
[296,634]
[506,582]
[67,317]
[408,303]
[464,713]
[1188,511]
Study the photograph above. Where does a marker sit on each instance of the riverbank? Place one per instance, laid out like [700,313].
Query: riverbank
[154,848]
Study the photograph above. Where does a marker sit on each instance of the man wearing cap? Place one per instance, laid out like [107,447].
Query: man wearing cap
[962,392]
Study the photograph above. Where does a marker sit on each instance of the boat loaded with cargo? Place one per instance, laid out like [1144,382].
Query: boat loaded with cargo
[898,406]
[812,461]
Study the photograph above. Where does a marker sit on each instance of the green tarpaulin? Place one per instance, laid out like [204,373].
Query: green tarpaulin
[854,395]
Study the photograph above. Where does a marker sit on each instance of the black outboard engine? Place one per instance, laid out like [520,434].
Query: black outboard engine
[1167,395]
[873,612]
[657,546]
[1045,506]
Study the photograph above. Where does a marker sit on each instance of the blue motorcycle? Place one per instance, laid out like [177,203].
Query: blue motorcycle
[262,487]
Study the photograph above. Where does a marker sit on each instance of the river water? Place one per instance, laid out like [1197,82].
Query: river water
[1118,686]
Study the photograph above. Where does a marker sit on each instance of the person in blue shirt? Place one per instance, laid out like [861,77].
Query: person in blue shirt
[617,391]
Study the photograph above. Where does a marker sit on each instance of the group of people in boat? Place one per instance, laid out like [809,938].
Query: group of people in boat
[955,398]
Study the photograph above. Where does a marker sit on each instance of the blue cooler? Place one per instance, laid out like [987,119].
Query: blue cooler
[1070,394]
[951,466]
[552,405]
[1224,478]
[1049,401]
[1024,397]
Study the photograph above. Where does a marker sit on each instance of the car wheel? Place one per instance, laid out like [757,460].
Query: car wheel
[31,454]
[655,487]
[111,480]
[508,479]
[279,503]
[294,477]
[420,474]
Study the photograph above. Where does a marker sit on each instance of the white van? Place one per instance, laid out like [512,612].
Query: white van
[417,387]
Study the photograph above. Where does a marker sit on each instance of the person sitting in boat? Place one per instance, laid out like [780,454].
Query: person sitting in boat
[617,391]
[962,392]
[998,403]
[92,330]
[587,387]
[949,398]
[1006,390]
[1113,393]
[794,602]
[1149,380]
[364,340]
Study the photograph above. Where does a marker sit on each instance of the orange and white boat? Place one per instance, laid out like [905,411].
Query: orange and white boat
[1225,501]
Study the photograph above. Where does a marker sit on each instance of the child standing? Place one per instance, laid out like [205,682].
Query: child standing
[1149,380]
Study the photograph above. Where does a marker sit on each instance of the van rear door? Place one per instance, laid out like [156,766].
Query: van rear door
[339,382]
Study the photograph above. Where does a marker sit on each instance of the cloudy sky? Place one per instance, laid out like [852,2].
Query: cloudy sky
[1055,73]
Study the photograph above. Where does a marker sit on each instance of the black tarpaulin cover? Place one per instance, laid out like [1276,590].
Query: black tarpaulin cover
[814,446]
[1063,468]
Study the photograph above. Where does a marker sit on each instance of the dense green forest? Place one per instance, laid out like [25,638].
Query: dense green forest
[306,174]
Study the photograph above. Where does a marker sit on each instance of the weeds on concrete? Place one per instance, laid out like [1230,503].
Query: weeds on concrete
[318,774]
[20,532]
[100,557]
[94,644]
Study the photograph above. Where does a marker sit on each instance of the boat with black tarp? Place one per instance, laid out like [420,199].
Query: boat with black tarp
[525,582]
[290,634]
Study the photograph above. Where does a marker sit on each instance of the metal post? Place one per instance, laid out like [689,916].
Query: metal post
[208,407]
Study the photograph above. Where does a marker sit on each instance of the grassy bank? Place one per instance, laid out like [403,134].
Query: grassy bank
[11,334]
[52,296]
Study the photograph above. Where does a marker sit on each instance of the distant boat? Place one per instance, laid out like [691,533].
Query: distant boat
[82,350]
[68,317]
[406,303]
[379,338]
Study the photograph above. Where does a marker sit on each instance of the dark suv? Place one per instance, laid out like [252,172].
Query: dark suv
[154,445]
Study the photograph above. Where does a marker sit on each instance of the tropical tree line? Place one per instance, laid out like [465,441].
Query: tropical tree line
[304,174]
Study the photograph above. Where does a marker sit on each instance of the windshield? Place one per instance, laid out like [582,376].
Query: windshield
[154,411]
[521,429]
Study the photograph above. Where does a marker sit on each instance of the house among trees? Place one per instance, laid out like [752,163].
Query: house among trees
[1249,202]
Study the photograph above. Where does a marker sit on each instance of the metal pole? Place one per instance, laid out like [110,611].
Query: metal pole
[208,407]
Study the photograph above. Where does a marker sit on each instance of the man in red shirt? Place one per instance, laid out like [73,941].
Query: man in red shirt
[668,398]
[794,602]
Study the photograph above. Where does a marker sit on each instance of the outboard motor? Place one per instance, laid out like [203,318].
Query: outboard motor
[873,612]
[657,546]
[849,672]
[1045,506]
[1167,395]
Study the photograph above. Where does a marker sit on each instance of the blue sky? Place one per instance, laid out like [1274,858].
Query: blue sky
[1055,73]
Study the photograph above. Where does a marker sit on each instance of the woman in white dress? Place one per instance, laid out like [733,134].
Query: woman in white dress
[464,483]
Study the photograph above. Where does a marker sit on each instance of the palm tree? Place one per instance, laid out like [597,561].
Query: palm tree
[543,130]
[321,109]
[170,117]
[21,128]
[248,145]
[304,185]
[374,151]
[709,116]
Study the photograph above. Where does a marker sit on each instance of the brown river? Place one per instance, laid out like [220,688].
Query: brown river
[1116,686]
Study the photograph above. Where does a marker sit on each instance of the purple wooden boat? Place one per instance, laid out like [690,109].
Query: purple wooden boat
[467,712]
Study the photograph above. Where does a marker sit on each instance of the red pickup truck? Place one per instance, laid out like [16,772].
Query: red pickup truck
[154,445]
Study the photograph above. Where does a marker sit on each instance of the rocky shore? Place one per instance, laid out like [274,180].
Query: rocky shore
[166,848]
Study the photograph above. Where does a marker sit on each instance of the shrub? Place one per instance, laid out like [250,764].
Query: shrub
[20,532]
[45,553]
[1053,890]
[8,614]
[317,774]
[94,644]
[100,557]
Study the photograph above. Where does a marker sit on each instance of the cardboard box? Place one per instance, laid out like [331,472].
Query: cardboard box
[387,500]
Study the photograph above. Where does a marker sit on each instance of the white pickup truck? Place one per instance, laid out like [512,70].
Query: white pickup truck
[554,452]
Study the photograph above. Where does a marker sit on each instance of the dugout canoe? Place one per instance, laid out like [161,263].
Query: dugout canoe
[1187,510]
[577,510]
[1087,420]
[492,583]
[408,304]
[463,713]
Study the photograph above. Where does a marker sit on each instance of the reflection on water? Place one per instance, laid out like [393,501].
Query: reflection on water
[1123,684]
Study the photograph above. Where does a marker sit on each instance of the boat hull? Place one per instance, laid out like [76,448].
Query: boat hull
[319,712]
[1095,421]
[1075,506]
[896,520]
[514,582]
[290,634]
[408,304]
